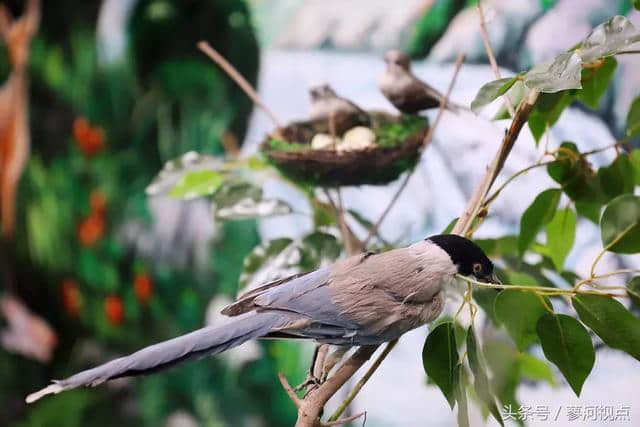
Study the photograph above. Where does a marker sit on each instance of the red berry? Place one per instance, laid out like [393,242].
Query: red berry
[71,298]
[114,309]
[143,287]
[98,202]
[81,129]
[91,230]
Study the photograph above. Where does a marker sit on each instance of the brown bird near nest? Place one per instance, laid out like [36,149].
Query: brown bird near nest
[339,113]
[404,90]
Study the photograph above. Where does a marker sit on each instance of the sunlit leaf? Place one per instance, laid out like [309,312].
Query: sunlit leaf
[561,233]
[515,94]
[620,225]
[520,323]
[539,213]
[440,357]
[567,344]
[460,394]
[197,184]
[562,74]
[547,111]
[481,380]
[608,39]
[243,200]
[595,81]
[174,170]
[536,369]
[633,119]
[490,91]
[608,318]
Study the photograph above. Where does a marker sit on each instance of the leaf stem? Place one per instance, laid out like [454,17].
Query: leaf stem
[609,246]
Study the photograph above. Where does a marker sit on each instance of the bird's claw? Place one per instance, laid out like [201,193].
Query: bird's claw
[309,384]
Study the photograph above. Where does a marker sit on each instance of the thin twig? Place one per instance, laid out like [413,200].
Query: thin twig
[463,225]
[346,420]
[609,246]
[497,192]
[492,58]
[356,389]
[345,231]
[628,52]
[238,79]
[287,387]
[349,244]
[425,143]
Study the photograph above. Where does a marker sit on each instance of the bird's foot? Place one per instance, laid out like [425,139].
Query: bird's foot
[308,385]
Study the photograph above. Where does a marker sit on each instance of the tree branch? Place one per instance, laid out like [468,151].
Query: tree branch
[238,79]
[492,58]
[463,225]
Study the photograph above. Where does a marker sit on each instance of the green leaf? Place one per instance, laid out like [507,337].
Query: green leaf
[620,223]
[515,94]
[175,170]
[611,321]
[607,39]
[589,210]
[238,200]
[561,233]
[567,344]
[486,298]
[562,74]
[633,119]
[460,393]
[547,111]
[197,184]
[519,311]
[595,81]
[633,289]
[490,91]
[440,357]
[636,4]
[635,162]
[539,213]
[481,380]
[574,173]
[618,177]
[536,369]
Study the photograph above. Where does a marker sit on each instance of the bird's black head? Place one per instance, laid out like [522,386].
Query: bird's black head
[467,256]
[321,92]
[396,57]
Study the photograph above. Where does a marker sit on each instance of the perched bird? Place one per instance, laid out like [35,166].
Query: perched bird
[365,299]
[327,105]
[404,90]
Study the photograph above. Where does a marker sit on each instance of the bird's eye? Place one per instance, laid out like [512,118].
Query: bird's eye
[477,268]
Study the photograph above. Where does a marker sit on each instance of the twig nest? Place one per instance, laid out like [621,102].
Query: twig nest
[357,138]
[307,152]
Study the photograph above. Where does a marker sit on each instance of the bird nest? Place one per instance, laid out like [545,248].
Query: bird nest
[397,148]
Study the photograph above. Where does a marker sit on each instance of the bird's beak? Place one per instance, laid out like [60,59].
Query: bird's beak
[493,278]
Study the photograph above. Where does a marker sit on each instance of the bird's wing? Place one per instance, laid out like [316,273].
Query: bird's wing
[305,294]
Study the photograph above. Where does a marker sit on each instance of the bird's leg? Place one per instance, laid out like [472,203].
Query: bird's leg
[315,369]
[332,360]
